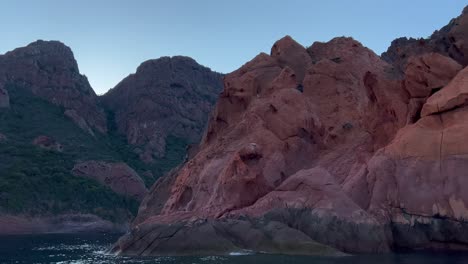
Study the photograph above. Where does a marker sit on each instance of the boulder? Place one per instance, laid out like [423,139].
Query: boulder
[117,176]
[428,73]
[454,95]
[290,53]
[47,143]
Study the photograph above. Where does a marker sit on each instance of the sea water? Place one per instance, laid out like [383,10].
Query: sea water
[92,248]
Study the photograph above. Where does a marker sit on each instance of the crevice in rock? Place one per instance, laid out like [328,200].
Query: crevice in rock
[158,238]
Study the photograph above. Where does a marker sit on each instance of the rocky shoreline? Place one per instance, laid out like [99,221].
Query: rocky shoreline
[59,224]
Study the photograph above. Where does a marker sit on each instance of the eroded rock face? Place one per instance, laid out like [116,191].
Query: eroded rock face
[417,183]
[452,96]
[118,176]
[290,53]
[50,71]
[354,155]
[167,96]
[429,73]
[270,151]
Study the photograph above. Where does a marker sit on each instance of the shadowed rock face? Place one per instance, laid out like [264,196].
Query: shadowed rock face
[42,90]
[167,96]
[49,69]
[333,150]
[4,98]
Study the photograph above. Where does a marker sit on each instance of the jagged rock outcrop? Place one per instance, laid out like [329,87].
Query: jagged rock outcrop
[428,73]
[454,95]
[450,41]
[118,176]
[50,71]
[167,96]
[417,183]
[352,155]
[270,151]
[48,143]
[425,75]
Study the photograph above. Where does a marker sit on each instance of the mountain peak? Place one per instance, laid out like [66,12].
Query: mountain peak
[49,70]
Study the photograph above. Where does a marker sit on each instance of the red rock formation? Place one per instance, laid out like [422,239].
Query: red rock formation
[417,181]
[425,75]
[339,149]
[272,151]
[50,71]
[48,143]
[167,96]
[428,73]
[118,176]
[454,95]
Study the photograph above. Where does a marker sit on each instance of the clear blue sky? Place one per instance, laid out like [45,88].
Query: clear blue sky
[110,38]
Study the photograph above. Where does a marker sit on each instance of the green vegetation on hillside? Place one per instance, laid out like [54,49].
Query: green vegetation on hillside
[37,181]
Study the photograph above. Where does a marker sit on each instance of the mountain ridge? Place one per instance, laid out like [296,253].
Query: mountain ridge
[57,138]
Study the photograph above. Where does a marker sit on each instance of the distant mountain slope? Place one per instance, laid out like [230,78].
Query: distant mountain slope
[40,149]
[50,71]
[451,41]
[170,96]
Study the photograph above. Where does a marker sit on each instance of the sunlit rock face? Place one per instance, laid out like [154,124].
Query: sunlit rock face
[329,145]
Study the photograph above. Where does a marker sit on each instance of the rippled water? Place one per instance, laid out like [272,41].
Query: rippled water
[91,249]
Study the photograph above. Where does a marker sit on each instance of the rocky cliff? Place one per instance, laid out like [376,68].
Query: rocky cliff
[324,150]
[49,70]
[50,121]
[64,166]
[170,96]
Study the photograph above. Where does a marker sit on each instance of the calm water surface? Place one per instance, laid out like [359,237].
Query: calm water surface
[91,249]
